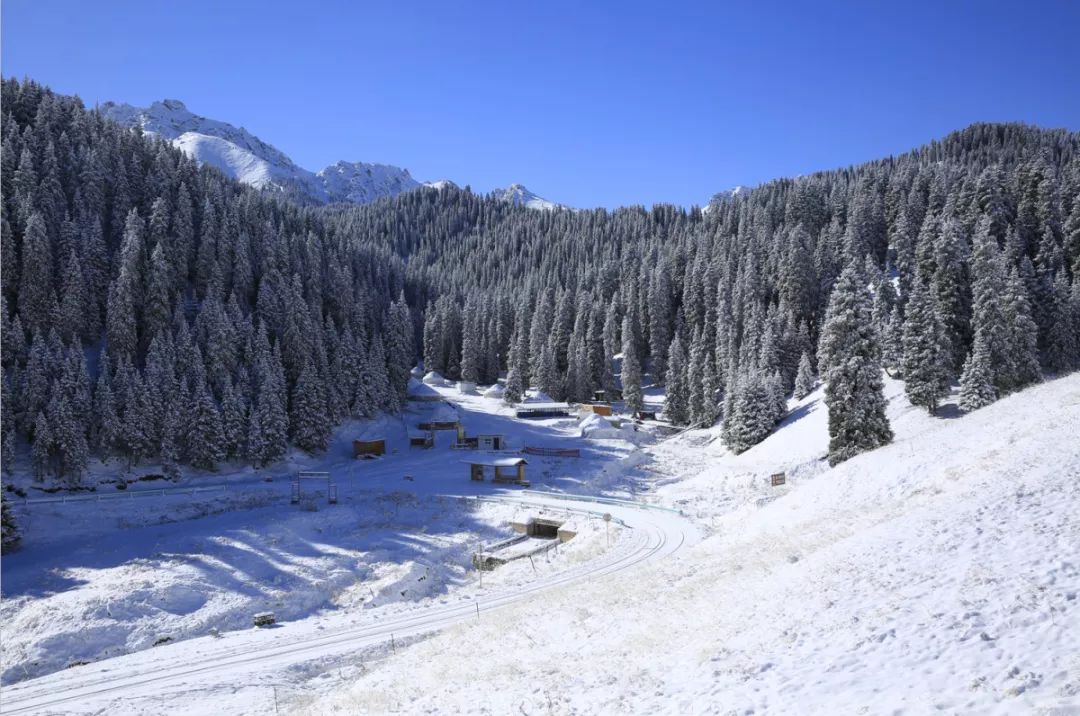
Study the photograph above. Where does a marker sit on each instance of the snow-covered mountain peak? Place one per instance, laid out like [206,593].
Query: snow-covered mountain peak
[234,150]
[360,182]
[243,156]
[440,184]
[519,195]
[726,195]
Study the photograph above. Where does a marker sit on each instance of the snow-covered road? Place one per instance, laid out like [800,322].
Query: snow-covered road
[191,676]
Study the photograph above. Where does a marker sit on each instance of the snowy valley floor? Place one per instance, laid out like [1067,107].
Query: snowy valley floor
[98,579]
[938,574]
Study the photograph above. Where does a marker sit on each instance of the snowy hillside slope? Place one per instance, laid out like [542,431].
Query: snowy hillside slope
[938,573]
[235,151]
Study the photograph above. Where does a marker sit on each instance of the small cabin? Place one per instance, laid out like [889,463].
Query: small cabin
[542,410]
[596,409]
[368,448]
[422,439]
[606,396]
[505,469]
[645,415]
[440,425]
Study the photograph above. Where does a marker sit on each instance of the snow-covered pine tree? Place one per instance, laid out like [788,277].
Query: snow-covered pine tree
[203,430]
[41,450]
[677,402]
[631,369]
[400,347]
[925,356]
[471,348]
[517,377]
[854,391]
[1021,335]
[307,411]
[805,380]
[977,381]
[751,414]
[9,528]
[547,374]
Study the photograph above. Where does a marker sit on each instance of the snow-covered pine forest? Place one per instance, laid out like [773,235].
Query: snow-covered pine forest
[158,312]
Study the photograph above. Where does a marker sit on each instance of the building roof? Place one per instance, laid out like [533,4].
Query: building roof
[497,461]
[541,407]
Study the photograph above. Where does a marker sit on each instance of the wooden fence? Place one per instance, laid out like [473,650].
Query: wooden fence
[553,452]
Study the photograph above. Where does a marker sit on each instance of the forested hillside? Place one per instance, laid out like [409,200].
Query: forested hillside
[153,311]
[156,311]
[970,249]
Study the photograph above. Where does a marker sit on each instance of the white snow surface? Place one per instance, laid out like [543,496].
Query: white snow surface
[137,576]
[940,573]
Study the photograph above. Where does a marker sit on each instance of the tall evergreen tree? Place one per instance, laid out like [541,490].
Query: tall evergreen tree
[677,404]
[925,354]
[854,391]
[631,369]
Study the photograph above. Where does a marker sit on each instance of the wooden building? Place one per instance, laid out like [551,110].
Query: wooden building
[505,469]
[421,439]
[489,441]
[596,408]
[368,448]
[542,410]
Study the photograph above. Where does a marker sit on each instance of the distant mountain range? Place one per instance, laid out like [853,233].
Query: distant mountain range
[241,155]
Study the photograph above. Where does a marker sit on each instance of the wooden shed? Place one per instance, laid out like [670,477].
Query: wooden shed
[596,408]
[365,448]
[542,410]
[606,396]
[505,469]
[421,439]
[488,441]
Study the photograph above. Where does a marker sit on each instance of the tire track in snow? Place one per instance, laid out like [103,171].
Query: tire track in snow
[655,534]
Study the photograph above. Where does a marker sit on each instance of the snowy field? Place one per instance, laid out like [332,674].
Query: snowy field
[99,578]
[938,574]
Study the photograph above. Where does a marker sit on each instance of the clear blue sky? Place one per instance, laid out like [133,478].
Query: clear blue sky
[587,103]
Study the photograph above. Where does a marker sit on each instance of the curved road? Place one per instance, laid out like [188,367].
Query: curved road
[239,658]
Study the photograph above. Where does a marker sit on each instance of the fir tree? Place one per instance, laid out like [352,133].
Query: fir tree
[677,404]
[307,412]
[204,430]
[9,536]
[925,356]
[41,452]
[977,381]
[854,391]
[631,369]
[805,380]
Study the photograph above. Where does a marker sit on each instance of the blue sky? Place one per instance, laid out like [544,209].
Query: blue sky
[587,103]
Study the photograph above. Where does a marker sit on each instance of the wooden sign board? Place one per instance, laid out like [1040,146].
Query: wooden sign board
[778,479]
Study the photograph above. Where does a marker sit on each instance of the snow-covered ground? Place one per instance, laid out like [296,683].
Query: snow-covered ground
[939,573]
[101,577]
